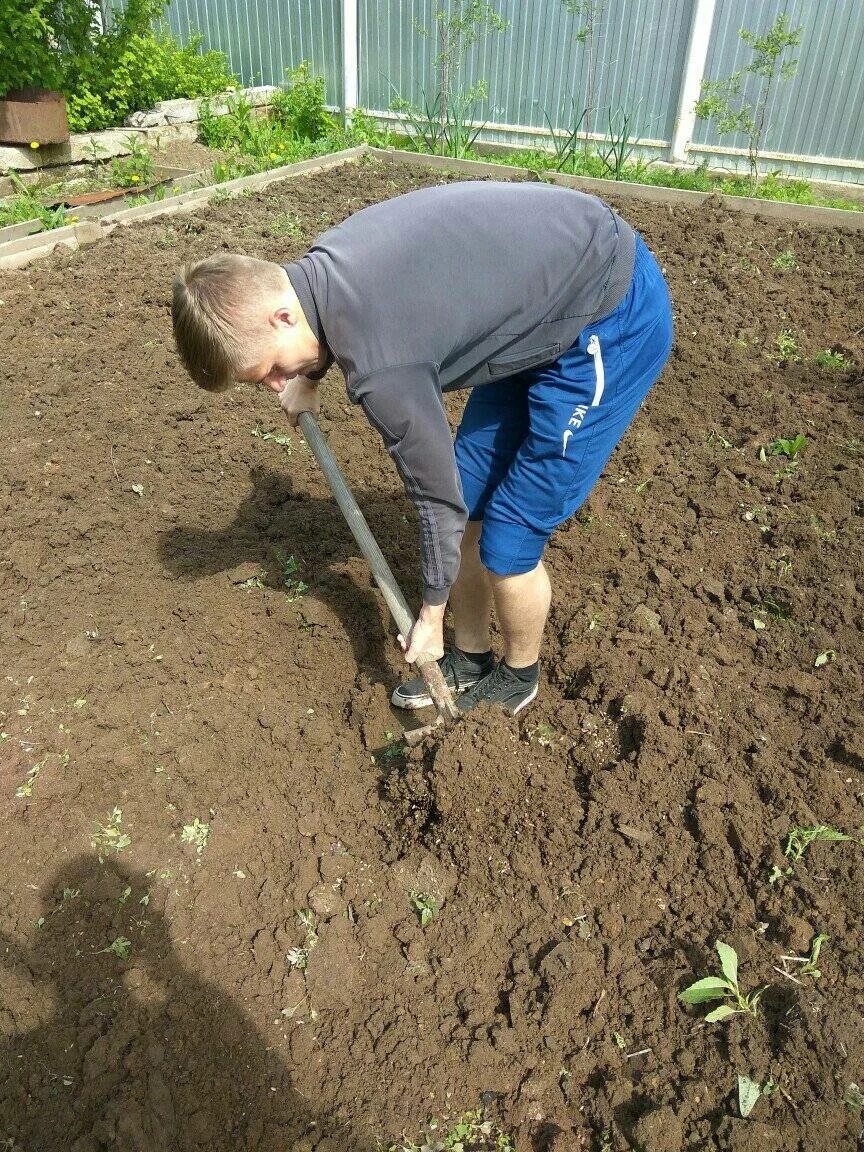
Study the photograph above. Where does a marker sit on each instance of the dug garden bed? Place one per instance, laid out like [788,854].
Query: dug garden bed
[237,914]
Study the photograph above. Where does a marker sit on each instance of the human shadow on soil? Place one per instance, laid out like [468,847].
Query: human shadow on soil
[129,1049]
[274,522]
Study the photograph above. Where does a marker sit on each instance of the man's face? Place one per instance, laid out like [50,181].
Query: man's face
[289,349]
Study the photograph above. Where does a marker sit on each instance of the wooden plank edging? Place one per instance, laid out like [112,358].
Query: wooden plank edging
[813,214]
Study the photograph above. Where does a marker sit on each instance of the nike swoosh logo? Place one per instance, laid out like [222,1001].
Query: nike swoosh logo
[567,436]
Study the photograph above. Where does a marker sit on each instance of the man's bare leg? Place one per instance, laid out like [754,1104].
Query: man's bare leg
[522,605]
[471,595]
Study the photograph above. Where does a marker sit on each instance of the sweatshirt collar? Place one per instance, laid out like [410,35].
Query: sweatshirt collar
[300,283]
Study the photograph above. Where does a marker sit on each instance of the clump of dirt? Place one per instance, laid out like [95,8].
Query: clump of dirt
[502,918]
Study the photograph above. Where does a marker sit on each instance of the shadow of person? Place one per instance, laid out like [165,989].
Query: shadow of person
[274,521]
[134,1054]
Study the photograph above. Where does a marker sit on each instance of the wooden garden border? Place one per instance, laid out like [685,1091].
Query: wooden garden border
[24,250]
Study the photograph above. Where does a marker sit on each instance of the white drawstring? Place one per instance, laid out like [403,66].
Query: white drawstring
[600,372]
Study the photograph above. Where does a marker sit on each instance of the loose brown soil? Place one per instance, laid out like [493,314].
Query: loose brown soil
[583,858]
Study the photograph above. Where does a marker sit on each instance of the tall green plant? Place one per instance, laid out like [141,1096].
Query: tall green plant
[32,38]
[443,123]
[591,12]
[720,99]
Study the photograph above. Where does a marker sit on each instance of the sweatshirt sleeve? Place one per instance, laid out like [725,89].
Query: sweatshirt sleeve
[404,404]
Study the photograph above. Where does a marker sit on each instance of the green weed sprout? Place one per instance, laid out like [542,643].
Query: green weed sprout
[108,837]
[785,259]
[277,438]
[829,359]
[120,947]
[787,347]
[800,839]
[294,587]
[425,906]
[196,833]
[808,963]
[749,1092]
[723,987]
[470,1133]
[299,957]
[788,448]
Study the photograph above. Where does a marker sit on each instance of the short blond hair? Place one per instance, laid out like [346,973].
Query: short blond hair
[219,315]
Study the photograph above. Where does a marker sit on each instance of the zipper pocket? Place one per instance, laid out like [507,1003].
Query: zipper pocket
[599,371]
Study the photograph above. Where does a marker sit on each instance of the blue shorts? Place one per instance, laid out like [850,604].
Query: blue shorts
[530,448]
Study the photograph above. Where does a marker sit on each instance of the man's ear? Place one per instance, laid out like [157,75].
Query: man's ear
[284,316]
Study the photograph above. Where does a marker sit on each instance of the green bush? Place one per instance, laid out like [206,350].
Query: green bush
[296,126]
[299,106]
[150,67]
[26,54]
[105,76]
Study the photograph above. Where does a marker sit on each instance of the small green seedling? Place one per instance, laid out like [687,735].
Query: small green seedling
[295,588]
[26,789]
[808,963]
[544,734]
[299,957]
[749,1092]
[787,347]
[723,987]
[283,441]
[826,657]
[714,436]
[252,582]
[785,260]
[196,833]
[853,1098]
[395,749]
[780,447]
[829,359]
[108,837]
[470,1133]
[425,906]
[286,224]
[120,947]
[800,839]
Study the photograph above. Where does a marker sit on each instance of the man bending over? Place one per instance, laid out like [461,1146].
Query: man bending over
[541,300]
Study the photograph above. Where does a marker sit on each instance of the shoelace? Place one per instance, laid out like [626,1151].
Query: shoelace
[489,685]
[450,664]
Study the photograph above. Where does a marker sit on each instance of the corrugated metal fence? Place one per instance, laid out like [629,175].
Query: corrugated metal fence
[539,67]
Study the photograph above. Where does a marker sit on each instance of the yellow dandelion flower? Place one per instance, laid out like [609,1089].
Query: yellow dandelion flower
[34,143]
[273,156]
[134,179]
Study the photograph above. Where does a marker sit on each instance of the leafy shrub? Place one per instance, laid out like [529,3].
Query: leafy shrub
[299,106]
[26,53]
[295,127]
[133,67]
[104,75]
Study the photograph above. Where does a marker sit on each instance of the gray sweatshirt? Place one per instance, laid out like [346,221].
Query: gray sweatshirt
[451,287]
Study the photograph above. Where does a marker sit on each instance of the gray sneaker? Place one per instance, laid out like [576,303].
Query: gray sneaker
[461,672]
[500,686]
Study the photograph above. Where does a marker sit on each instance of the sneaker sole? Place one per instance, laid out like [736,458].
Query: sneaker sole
[526,701]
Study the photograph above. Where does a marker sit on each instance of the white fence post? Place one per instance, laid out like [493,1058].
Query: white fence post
[694,71]
[350,76]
